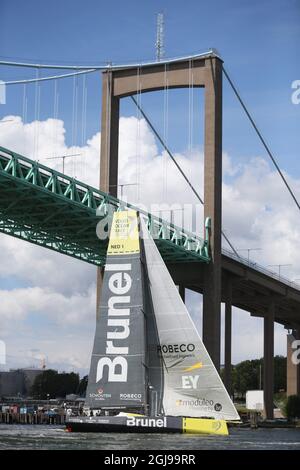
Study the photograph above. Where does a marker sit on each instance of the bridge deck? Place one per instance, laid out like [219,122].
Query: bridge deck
[48,208]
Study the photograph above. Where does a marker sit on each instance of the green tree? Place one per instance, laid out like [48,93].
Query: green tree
[51,384]
[292,408]
[247,375]
[279,373]
[82,386]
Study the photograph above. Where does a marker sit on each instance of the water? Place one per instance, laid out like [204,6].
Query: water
[55,437]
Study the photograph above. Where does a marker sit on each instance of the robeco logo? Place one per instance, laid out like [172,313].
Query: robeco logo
[176,348]
[119,284]
[130,396]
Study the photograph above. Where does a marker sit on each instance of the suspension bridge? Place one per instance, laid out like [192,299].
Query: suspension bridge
[48,208]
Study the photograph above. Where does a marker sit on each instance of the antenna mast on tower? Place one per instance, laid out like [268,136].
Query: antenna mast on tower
[159,45]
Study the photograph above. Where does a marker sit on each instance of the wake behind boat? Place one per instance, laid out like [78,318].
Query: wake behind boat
[150,371]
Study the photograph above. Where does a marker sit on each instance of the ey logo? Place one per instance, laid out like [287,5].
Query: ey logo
[191,381]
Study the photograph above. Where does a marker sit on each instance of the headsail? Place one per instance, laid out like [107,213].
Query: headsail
[117,373]
[191,385]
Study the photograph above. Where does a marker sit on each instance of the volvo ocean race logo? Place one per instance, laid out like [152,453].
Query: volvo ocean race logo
[119,284]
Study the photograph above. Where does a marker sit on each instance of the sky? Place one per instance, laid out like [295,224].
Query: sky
[46,299]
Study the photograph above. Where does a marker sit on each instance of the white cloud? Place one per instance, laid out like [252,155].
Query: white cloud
[257,212]
[64,311]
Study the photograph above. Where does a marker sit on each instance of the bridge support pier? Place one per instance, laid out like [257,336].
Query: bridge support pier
[292,369]
[269,360]
[228,337]
[109,137]
[213,209]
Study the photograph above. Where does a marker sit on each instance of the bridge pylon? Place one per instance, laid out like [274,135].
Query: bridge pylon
[119,82]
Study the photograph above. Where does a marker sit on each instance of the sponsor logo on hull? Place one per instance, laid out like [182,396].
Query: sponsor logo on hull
[147,422]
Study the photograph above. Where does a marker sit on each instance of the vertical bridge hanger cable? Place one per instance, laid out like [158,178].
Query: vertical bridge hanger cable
[261,138]
[165,133]
[178,166]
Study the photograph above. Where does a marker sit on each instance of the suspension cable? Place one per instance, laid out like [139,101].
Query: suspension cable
[261,138]
[44,79]
[108,66]
[178,166]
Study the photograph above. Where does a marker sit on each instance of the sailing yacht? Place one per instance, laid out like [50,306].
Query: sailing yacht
[150,371]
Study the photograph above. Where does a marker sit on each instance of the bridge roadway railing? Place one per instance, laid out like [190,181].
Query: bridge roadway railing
[260,268]
[48,208]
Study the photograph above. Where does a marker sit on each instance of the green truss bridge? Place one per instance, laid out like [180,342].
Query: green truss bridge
[48,208]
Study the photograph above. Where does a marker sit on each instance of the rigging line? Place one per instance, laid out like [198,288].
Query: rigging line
[53,77]
[178,167]
[261,138]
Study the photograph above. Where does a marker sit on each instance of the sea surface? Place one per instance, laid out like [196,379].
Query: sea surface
[55,437]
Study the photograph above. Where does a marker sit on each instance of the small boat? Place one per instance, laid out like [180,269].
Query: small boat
[150,371]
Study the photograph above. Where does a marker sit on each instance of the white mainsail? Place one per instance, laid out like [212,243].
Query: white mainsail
[191,383]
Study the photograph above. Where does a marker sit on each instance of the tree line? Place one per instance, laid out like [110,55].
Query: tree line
[247,375]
